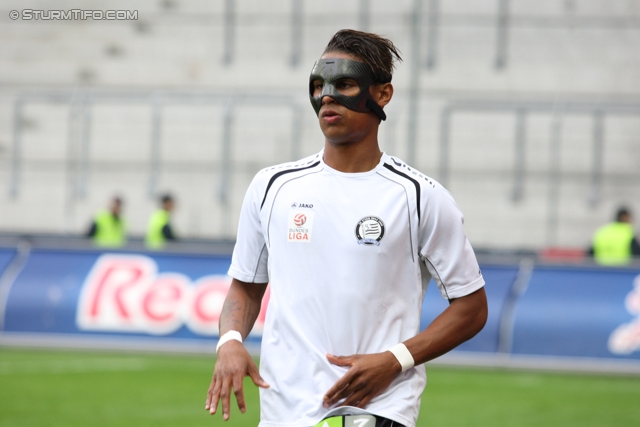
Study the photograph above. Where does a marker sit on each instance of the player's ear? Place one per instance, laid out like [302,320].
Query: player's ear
[382,93]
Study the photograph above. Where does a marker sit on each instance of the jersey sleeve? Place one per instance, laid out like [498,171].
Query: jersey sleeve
[250,254]
[444,247]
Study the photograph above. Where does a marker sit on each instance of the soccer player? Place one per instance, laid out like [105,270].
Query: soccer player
[348,239]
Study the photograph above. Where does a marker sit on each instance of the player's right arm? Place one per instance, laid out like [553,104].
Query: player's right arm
[239,313]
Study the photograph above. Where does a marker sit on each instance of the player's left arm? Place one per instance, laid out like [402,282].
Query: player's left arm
[371,374]
[450,259]
[461,321]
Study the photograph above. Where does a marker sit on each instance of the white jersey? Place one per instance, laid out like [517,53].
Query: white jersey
[348,257]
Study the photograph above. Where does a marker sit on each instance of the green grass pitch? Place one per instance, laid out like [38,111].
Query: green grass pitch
[74,388]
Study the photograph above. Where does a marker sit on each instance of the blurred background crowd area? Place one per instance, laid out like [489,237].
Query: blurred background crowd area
[528,111]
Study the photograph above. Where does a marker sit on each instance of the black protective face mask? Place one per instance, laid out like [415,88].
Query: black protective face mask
[330,70]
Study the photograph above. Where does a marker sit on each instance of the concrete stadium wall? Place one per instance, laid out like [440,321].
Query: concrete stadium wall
[564,53]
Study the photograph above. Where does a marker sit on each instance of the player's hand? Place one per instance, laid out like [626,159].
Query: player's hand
[233,364]
[367,377]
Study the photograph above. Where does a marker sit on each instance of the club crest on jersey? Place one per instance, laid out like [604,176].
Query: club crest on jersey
[369,231]
[300,226]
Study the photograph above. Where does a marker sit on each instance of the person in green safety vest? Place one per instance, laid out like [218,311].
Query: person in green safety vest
[108,229]
[159,229]
[615,243]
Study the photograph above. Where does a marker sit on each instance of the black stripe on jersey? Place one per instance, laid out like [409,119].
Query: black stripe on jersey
[444,286]
[416,183]
[279,174]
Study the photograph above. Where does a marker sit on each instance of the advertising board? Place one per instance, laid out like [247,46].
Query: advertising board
[6,255]
[566,311]
[90,293]
[579,312]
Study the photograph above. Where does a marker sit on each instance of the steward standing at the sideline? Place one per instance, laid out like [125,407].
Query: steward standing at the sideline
[108,228]
[348,239]
[615,243]
[159,229]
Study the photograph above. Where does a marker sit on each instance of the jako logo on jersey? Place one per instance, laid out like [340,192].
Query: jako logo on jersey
[299,219]
[300,226]
[302,205]
[369,231]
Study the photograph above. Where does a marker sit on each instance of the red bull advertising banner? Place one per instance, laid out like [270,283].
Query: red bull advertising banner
[625,339]
[567,311]
[578,312]
[125,295]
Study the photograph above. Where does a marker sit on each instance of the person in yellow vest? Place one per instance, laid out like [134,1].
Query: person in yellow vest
[159,229]
[615,243]
[108,229]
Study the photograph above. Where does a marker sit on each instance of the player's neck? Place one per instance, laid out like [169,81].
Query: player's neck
[354,157]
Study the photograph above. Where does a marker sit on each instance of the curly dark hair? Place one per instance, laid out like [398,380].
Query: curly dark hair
[377,52]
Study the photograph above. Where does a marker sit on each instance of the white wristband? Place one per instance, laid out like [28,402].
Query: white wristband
[231,335]
[403,355]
